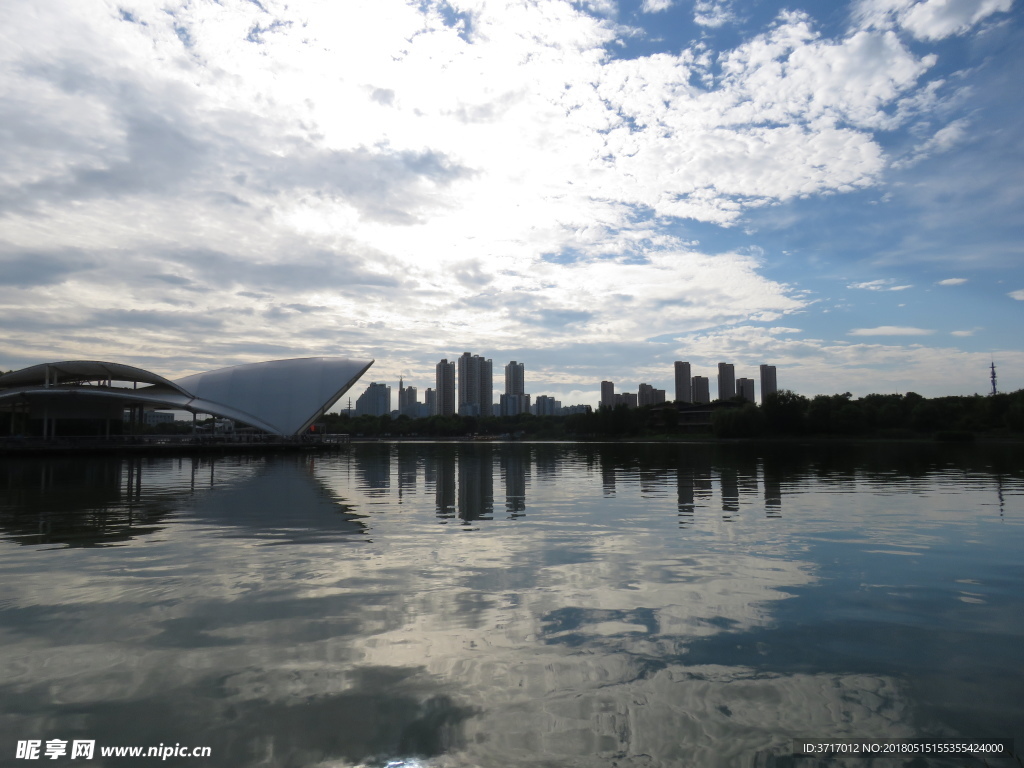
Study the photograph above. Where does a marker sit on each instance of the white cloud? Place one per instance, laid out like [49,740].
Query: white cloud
[952,281]
[818,366]
[713,13]
[930,19]
[653,6]
[890,330]
[603,7]
[962,333]
[936,19]
[941,141]
[879,285]
[1018,295]
[380,177]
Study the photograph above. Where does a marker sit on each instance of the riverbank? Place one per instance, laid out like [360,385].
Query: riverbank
[164,447]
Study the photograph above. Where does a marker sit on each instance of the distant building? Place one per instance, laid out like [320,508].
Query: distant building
[627,399]
[513,405]
[568,410]
[648,395]
[515,400]
[684,392]
[375,401]
[515,378]
[745,389]
[607,394]
[726,381]
[151,418]
[444,389]
[547,406]
[700,389]
[476,396]
[429,407]
[408,405]
[768,385]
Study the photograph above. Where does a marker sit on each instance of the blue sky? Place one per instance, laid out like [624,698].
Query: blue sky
[593,188]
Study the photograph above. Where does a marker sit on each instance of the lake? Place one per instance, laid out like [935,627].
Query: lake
[510,604]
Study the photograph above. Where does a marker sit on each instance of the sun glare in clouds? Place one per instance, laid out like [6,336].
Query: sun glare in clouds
[375,178]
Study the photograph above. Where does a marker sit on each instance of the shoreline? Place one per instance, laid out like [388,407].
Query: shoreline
[65,448]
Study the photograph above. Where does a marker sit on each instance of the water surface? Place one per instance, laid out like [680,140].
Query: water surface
[514,604]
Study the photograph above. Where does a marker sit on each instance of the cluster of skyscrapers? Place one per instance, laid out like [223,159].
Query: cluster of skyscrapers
[470,392]
[692,389]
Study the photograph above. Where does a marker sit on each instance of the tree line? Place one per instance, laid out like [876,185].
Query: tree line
[784,413]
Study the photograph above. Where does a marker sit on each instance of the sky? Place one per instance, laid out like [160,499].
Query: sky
[593,188]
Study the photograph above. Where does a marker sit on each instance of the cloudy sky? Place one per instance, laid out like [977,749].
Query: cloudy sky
[594,188]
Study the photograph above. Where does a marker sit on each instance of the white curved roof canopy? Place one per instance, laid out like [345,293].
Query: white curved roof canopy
[283,397]
[78,371]
[289,394]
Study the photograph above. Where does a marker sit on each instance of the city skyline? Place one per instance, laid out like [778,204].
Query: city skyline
[514,399]
[596,187]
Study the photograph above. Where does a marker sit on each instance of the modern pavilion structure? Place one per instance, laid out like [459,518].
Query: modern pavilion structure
[280,397]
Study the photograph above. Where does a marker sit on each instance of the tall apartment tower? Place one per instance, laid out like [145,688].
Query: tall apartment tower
[375,401]
[701,389]
[684,392]
[475,386]
[648,395]
[607,394]
[407,403]
[444,389]
[768,385]
[745,389]
[726,381]
[514,379]
[515,400]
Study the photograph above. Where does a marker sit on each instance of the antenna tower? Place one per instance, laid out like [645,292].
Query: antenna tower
[993,377]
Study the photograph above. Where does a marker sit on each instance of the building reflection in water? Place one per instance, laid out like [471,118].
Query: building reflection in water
[730,492]
[462,477]
[408,464]
[443,470]
[684,486]
[772,479]
[514,466]
[476,485]
[100,501]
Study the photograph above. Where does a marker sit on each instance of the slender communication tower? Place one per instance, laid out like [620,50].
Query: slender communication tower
[993,377]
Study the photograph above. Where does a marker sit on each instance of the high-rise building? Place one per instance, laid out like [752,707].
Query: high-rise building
[607,394]
[513,405]
[701,390]
[429,402]
[515,400]
[745,389]
[407,403]
[514,379]
[684,393]
[444,388]
[768,385]
[568,410]
[726,381]
[627,399]
[645,395]
[648,395]
[547,406]
[476,396]
[375,401]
